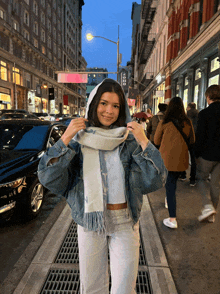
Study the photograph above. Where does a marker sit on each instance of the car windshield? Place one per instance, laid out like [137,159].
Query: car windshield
[22,137]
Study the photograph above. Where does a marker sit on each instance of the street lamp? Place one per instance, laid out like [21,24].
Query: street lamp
[89,37]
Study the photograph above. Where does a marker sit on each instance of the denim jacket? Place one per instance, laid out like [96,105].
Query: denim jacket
[144,173]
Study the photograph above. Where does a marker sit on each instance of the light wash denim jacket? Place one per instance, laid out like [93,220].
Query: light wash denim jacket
[144,173]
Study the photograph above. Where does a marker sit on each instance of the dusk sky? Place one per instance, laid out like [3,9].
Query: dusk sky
[101,18]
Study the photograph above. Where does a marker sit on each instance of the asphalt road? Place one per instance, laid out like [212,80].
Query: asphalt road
[17,236]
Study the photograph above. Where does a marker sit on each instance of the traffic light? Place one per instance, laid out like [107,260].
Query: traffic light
[51,94]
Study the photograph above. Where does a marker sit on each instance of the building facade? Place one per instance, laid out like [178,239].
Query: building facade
[193,49]
[177,51]
[33,47]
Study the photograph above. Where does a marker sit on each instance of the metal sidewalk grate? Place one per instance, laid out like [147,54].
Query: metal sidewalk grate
[69,252]
[68,282]
[61,282]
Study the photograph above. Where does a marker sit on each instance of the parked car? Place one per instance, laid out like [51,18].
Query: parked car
[19,115]
[22,144]
[13,110]
[65,118]
[42,115]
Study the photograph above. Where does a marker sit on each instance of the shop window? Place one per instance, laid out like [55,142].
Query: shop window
[213,75]
[214,64]
[16,76]
[4,72]
[197,82]
[185,92]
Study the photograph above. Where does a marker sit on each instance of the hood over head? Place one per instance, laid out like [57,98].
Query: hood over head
[93,93]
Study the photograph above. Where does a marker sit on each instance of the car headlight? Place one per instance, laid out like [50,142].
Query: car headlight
[13,184]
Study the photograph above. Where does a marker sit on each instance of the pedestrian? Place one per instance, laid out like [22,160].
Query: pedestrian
[192,114]
[152,126]
[103,164]
[174,133]
[207,152]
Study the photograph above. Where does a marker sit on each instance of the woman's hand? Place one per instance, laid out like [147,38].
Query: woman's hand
[138,133]
[74,127]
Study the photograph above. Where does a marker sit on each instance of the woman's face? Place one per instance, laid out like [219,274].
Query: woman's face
[108,109]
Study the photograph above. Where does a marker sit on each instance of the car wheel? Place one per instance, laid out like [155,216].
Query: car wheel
[34,201]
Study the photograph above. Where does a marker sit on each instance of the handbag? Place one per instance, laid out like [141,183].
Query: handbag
[186,139]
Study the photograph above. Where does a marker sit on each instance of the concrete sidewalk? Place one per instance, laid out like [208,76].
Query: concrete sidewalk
[192,250]
[47,274]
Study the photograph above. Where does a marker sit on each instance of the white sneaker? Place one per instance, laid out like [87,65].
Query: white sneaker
[211,219]
[207,212]
[166,205]
[170,224]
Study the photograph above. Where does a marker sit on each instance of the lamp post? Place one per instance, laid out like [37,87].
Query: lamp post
[89,37]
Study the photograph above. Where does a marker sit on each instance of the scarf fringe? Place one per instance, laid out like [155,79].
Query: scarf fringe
[94,221]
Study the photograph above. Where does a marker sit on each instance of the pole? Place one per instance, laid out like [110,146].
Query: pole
[118,57]
[15,94]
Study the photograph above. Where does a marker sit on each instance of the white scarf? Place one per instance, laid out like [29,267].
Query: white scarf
[92,140]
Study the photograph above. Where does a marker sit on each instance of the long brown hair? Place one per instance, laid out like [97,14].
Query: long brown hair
[176,112]
[111,86]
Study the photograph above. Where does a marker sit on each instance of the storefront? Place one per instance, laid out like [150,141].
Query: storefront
[202,70]
[5,98]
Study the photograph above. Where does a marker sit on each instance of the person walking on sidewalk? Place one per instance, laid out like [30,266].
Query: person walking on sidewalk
[192,114]
[174,150]
[103,164]
[153,123]
[207,152]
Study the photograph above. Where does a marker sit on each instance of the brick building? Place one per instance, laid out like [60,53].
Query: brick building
[193,49]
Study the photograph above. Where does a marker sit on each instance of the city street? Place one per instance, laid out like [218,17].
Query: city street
[16,235]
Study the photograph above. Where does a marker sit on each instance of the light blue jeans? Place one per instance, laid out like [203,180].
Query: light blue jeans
[123,243]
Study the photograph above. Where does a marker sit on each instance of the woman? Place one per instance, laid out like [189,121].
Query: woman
[174,151]
[103,164]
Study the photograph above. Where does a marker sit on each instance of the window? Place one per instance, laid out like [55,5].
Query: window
[59,25]
[2,14]
[3,70]
[35,28]
[26,18]
[16,75]
[43,3]
[185,92]
[49,25]
[54,33]
[43,18]
[49,9]
[26,35]
[197,82]
[43,50]
[213,75]
[43,35]
[49,42]
[54,4]
[16,26]
[50,55]
[35,43]
[35,8]
[59,39]
[54,48]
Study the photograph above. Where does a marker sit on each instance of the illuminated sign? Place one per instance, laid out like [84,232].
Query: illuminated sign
[131,102]
[72,78]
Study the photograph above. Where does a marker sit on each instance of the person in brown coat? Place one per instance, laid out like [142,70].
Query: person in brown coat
[174,150]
